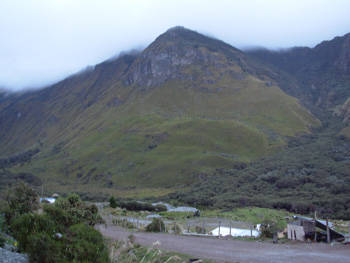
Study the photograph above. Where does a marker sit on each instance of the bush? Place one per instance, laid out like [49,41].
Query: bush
[71,210]
[157,225]
[20,200]
[43,248]
[112,202]
[85,244]
[268,228]
[27,224]
[161,208]
[2,240]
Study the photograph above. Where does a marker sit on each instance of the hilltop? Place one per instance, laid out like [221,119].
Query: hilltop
[160,119]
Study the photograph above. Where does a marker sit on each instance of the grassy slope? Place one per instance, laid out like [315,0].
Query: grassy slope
[205,131]
[161,136]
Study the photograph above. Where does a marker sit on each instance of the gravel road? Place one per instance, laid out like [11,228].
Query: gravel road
[228,250]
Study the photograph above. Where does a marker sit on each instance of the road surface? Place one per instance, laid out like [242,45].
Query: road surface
[229,250]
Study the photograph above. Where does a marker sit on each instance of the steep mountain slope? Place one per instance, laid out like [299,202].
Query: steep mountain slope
[186,105]
[323,72]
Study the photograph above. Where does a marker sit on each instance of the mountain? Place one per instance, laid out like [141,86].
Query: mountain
[161,119]
[323,72]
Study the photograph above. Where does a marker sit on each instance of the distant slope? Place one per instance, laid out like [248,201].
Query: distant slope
[185,106]
[323,72]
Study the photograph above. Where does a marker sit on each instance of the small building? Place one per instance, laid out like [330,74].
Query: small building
[305,228]
[297,230]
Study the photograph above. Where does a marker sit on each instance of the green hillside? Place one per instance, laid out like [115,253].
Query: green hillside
[163,119]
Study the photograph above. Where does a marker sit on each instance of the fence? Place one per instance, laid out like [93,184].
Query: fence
[191,226]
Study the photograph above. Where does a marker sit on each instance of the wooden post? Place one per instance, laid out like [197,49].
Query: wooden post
[315,227]
[203,227]
[230,228]
[219,227]
[175,227]
[328,234]
[137,226]
[188,229]
[349,228]
[251,229]
[160,226]
[164,226]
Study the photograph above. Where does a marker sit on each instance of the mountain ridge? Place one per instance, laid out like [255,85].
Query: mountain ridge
[163,118]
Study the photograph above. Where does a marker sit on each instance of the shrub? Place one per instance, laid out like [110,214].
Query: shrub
[85,244]
[157,225]
[161,208]
[2,240]
[112,202]
[20,200]
[27,224]
[71,210]
[268,228]
[42,247]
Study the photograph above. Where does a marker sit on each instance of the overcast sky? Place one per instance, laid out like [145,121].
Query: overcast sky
[43,41]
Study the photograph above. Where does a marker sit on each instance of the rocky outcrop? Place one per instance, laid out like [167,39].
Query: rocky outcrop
[8,255]
[343,61]
[154,67]
[344,111]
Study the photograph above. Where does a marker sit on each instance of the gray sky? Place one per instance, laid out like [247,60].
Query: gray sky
[43,41]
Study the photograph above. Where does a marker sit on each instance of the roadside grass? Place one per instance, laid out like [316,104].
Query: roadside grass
[127,251]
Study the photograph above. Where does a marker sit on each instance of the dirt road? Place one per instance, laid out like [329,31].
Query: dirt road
[222,250]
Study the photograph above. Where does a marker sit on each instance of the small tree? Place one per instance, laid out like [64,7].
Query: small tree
[268,228]
[71,210]
[161,208]
[157,225]
[20,200]
[112,202]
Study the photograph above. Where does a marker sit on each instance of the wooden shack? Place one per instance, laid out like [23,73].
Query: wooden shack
[306,227]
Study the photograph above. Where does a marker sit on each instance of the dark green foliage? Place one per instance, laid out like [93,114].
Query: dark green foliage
[2,240]
[20,200]
[197,214]
[312,174]
[8,179]
[112,202]
[62,233]
[18,158]
[71,210]
[44,248]
[27,224]
[137,206]
[268,228]
[85,244]
[161,208]
[157,225]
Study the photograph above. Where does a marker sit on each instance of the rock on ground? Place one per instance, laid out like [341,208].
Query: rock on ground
[7,256]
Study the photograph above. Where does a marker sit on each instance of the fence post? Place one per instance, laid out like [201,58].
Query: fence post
[203,228]
[137,224]
[251,229]
[328,234]
[176,232]
[315,227]
[219,227]
[230,228]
